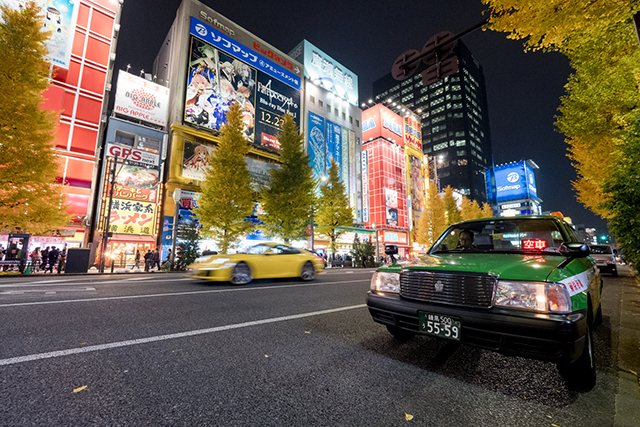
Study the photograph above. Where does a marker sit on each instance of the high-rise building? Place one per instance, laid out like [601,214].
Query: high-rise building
[455,121]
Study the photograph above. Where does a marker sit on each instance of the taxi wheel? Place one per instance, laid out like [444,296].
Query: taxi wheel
[581,374]
[308,271]
[241,274]
[400,334]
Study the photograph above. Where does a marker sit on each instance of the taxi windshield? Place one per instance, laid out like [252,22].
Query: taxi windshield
[517,235]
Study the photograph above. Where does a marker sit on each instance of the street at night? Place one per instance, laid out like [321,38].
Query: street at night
[165,349]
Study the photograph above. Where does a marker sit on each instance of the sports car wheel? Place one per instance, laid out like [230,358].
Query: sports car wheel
[308,271]
[241,274]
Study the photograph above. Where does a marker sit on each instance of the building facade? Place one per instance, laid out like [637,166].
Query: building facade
[454,119]
[512,189]
[208,62]
[81,52]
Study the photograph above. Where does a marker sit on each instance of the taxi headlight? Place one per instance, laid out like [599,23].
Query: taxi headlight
[539,296]
[385,282]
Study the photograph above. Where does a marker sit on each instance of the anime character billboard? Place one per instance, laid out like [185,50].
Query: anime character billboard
[196,160]
[59,18]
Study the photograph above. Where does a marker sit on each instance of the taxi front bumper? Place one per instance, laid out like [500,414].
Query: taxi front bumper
[552,337]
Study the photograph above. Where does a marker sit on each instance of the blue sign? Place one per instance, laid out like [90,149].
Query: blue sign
[238,50]
[511,182]
[531,181]
[337,147]
[330,144]
[316,148]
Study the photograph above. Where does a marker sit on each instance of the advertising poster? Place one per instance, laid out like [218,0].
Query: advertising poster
[133,156]
[346,162]
[135,193]
[195,162]
[132,217]
[392,216]
[259,173]
[365,186]
[391,206]
[412,131]
[316,149]
[531,181]
[223,71]
[60,19]
[214,82]
[136,176]
[417,186]
[274,99]
[330,145]
[141,99]
[337,148]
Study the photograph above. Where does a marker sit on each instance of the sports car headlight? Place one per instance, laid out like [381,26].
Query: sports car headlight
[539,296]
[385,282]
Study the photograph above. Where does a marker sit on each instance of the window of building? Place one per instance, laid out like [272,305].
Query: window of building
[462,162]
[393,89]
[344,116]
[427,150]
[312,99]
[320,103]
[439,137]
[406,90]
[436,101]
[443,174]
[335,110]
[457,105]
[440,146]
[438,128]
[406,98]
[329,108]
[438,91]
[425,115]
[357,123]
[461,142]
[125,138]
[350,119]
[458,115]
[437,119]
[461,153]
[459,133]
[435,85]
[438,110]
[456,87]
[406,82]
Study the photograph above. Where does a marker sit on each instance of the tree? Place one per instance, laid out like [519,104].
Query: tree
[451,206]
[432,221]
[470,209]
[288,203]
[624,188]
[226,199]
[362,252]
[333,207]
[487,210]
[187,248]
[30,199]
[602,96]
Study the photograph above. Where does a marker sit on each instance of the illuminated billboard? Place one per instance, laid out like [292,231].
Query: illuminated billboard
[515,181]
[326,72]
[223,71]
[412,131]
[60,20]
[380,122]
[316,147]
[141,99]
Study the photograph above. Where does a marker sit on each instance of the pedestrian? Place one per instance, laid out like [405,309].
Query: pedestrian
[168,260]
[52,258]
[45,258]
[36,260]
[155,260]
[137,258]
[62,263]
[147,260]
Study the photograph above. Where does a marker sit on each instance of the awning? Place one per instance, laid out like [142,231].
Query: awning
[131,238]
[356,230]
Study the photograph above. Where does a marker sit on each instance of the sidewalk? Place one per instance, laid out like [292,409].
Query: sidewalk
[628,395]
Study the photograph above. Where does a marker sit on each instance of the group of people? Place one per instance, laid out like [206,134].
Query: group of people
[151,259]
[47,259]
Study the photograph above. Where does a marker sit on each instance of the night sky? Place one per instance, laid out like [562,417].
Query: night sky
[523,90]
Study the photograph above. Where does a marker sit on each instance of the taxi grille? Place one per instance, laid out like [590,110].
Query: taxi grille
[466,289]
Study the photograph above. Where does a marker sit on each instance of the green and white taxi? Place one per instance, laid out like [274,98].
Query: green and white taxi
[522,286]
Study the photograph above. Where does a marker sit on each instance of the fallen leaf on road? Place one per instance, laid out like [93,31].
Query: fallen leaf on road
[75,390]
[307,332]
[633,372]
[549,416]
[83,343]
[553,425]
[408,417]
[266,355]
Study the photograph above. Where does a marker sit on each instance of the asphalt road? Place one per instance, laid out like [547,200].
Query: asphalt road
[163,349]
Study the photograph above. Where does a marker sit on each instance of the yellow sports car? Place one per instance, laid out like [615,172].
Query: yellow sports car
[263,261]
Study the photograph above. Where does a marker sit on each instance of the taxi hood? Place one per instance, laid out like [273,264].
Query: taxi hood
[532,267]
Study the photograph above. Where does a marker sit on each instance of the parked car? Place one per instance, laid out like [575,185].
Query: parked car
[605,259]
[521,286]
[266,260]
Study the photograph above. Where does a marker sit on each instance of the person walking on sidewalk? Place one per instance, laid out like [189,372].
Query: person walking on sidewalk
[45,258]
[137,259]
[36,260]
[155,260]
[62,263]
[147,260]
[53,259]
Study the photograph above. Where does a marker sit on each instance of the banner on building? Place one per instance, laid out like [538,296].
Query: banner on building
[316,148]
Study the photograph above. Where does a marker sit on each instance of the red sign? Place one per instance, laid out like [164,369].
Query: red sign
[269,54]
[534,244]
[380,122]
[270,141]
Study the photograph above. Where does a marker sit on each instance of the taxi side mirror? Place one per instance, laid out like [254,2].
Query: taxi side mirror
[574,250]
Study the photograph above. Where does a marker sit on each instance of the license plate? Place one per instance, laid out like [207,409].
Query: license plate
[439,325]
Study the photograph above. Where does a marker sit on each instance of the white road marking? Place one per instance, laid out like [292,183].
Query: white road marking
[57,283]
[20,292]
[86,349]
[17,304]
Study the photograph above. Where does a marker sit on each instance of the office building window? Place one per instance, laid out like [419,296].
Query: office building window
[357,123]
[461,153]
[312,99]
[125,138]
[320,103]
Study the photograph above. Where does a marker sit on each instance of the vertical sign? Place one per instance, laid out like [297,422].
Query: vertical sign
[365,186]
[345,163]
[337,148]
[316,148]
[330,144]
[358,170]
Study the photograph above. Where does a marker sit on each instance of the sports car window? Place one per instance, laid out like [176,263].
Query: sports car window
[257,249]
[284,250]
